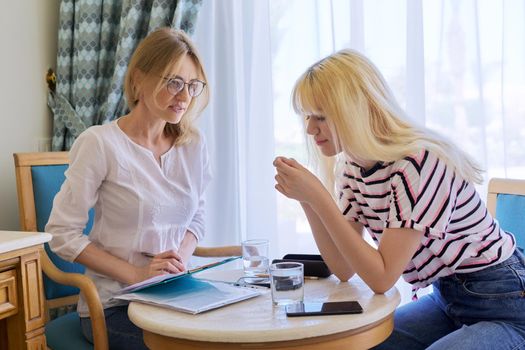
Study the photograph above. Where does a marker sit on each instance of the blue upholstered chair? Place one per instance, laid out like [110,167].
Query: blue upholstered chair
[39,177]
[506,202]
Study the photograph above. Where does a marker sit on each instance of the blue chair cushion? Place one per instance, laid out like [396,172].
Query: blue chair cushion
[510,213]
[47,180]
[65,333]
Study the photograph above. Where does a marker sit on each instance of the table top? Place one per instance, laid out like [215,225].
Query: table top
[257,320]
[13,240]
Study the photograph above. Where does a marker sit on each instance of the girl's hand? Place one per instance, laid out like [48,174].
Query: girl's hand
[166,262]
[295,181]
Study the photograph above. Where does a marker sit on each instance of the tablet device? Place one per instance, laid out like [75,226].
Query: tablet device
[328,308]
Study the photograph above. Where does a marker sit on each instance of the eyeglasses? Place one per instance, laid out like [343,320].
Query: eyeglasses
[176,85]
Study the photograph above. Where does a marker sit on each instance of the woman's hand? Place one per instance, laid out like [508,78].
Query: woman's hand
[166,262]
[295,181]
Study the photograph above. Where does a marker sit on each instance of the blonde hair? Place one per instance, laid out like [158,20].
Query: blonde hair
[155,56]
[364,116]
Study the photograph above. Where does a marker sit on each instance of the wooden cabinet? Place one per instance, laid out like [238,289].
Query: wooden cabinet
[21,300]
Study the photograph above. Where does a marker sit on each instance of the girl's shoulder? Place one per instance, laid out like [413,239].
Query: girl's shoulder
[419,161]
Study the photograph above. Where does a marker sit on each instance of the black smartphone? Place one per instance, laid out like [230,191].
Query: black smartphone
[328,308]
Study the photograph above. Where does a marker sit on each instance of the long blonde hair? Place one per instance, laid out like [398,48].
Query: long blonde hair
[155,56]
[364,116]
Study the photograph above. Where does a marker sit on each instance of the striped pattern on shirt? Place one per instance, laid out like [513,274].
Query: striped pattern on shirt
[423,193]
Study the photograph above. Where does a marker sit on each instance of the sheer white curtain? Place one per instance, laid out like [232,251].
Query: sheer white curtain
[238,123]
[457,66]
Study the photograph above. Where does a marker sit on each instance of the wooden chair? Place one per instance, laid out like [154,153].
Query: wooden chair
[39,177]
[506,203]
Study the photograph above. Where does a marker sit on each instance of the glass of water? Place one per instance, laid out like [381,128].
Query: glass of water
[255,257]
[287,282]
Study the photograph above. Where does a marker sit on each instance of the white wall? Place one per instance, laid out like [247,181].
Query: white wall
[28,45]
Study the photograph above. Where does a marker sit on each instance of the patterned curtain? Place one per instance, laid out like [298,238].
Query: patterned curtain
[95,41]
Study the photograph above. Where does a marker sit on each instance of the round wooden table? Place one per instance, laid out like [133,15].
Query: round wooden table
[257,324]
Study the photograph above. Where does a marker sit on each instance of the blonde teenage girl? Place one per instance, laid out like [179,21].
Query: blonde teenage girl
[413,193]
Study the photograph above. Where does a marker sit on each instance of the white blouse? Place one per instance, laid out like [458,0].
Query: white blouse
[139,205]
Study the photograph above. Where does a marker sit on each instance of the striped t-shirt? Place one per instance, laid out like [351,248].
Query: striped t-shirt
[423,193]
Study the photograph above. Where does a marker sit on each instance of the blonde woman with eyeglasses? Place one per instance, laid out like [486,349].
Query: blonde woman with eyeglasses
[144,174]
[413,192]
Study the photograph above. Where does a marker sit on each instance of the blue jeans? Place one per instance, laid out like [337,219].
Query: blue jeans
[472,311]
[122,333]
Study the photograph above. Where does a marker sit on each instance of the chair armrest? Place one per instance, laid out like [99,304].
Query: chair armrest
[232,250]
[86,286]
